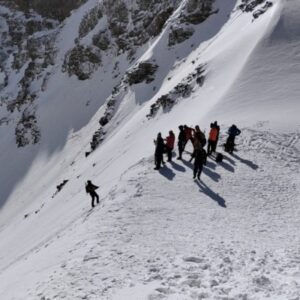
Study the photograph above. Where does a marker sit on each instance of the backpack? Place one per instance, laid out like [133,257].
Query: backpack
[219,157]
[202,139]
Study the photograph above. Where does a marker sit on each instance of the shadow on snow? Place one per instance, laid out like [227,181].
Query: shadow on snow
[247,162]
[213,175]
[210,193]
[167,172]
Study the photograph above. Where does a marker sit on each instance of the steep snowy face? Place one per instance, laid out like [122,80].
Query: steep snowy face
[271,69]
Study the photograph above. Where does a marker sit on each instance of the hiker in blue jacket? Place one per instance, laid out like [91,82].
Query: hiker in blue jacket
[232,132]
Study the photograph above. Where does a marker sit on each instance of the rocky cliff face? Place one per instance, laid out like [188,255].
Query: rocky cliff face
[28,34]
[27,53]
[54,9]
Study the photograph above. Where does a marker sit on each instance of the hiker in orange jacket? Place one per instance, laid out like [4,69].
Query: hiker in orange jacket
[212,139]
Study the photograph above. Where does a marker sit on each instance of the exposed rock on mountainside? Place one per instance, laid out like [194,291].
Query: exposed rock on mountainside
[178,35]
[82,61]
[27,51]
[196,11]
[89,21]
[143,72]
[256,7]
[55,9]
[27,131]
[182,90]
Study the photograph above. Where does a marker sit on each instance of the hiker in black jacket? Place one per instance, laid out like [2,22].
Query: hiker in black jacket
[232,132]
[200,159]
[159,151]
[91,189]
[181,141]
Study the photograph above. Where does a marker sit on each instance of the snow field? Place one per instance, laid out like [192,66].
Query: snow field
[162,235]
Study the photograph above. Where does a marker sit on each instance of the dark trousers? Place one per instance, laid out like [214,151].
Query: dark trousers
[211,147]
[158,160]
[229,146]
[198,166]
[186,141]
[169,153]
[94,195]
[181,146]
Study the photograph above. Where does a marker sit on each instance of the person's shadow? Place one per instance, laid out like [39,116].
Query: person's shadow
[247,162]
[209,192]
[230,160]
[213,175]
[227,166]
[210,164]
[167,172]
[177,167]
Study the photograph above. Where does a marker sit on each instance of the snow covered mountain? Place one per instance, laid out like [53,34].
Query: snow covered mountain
[84,90]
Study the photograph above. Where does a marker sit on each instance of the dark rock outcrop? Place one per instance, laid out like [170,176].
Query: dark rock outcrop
[180,91]
[82,61]
[143,72]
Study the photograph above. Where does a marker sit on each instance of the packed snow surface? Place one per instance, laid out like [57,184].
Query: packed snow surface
[159,234]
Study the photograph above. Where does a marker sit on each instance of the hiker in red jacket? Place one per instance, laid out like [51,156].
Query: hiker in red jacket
[170,141]
[218,128]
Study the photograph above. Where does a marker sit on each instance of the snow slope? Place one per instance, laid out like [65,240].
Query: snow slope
[234,235]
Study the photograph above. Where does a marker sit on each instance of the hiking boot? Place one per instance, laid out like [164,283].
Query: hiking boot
[156,168]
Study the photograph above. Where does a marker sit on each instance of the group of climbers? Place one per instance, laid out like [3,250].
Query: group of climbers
[198,140]
[186,134]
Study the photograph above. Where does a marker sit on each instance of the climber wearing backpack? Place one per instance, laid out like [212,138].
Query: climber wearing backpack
[188,132]
[159,151]
[212,139]
[233,131]
[91,189]
[199,140]
[200,160]
[170,141]
[181,141]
